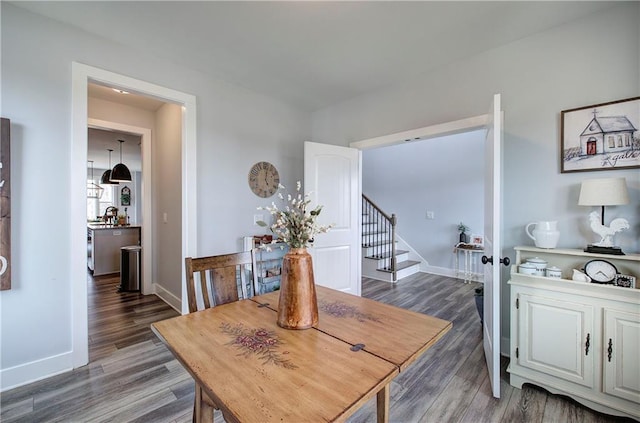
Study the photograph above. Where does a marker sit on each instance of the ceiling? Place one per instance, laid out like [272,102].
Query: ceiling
[118,96]
[312,54]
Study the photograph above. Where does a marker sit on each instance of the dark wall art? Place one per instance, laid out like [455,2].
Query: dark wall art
[5,205]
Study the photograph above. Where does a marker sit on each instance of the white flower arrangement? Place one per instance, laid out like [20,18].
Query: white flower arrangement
[294,225]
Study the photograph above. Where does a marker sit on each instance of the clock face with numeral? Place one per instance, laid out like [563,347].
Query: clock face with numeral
[264,179]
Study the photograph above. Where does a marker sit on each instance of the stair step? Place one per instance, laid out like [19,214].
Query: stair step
[400,266]
[387,254]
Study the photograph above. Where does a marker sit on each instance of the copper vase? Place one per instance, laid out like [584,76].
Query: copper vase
[298,305]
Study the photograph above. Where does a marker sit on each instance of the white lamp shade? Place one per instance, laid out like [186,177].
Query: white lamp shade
[604,192]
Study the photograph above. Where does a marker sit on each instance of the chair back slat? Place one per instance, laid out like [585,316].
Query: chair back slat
[204,291]
[217,280]
[226,285]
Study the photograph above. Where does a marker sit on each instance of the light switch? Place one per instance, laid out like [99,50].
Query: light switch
[164,217]
[257,217]
[431,215]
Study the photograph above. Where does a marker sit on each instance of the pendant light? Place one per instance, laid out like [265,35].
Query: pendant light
[120,173]
[106,176]
[93,190]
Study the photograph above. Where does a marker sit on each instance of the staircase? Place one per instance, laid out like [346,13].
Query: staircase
[381,259]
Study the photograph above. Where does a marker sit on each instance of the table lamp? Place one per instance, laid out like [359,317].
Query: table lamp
[604,192]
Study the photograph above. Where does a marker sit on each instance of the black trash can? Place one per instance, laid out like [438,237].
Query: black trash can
[479,297]
[130,268]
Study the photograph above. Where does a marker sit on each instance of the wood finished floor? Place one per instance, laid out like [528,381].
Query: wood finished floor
[132,377]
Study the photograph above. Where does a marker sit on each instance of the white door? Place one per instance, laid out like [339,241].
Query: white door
[332,176]
[492,218]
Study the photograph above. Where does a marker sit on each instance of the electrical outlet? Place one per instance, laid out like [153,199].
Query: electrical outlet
[431,215]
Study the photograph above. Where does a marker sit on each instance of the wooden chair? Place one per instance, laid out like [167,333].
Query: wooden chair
[213,281]
[222,279]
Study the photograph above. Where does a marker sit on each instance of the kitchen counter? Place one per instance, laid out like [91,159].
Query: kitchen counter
[104,243]
[98,226]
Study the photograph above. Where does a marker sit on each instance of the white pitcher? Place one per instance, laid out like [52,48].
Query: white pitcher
[545,234]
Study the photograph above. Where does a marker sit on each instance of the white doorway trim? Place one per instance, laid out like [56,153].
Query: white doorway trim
[433,131]
[147,189]
[81,76]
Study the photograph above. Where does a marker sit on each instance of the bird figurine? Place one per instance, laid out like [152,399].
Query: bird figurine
[606,232]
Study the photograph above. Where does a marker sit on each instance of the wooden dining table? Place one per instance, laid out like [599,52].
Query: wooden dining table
[255,371]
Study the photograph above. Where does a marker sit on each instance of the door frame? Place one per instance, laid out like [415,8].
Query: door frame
[424,133]
[81,75]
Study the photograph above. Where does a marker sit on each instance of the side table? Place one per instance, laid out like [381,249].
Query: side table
[470,252]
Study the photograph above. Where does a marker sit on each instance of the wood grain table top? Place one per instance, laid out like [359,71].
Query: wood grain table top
[392,333]
[256,371]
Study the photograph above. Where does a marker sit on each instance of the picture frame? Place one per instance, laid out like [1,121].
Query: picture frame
[5,204]
[603,136]
[625,281]
[125,196]
[477,240]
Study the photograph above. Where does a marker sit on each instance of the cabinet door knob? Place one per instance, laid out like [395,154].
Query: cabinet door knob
[587,344]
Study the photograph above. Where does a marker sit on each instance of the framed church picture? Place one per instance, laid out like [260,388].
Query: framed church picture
[5,204]
[602,136]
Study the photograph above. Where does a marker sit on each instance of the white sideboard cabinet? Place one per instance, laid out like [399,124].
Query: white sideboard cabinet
[575,338]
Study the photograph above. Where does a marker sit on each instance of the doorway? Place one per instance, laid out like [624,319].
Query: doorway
[82,75]
[432,186]
[145,168]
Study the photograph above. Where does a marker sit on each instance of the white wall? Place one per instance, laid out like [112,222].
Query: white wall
[590,61]
[167,194]
[442,175]
[101,109]
[235,129]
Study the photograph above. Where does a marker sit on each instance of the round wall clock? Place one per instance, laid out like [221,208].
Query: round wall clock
[600,271]
[264,179]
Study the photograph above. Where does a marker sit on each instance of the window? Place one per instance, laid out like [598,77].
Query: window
[97,206]
[612,142]
[619,140]
[627,140]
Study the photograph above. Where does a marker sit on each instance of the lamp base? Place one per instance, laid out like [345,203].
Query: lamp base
[616,251]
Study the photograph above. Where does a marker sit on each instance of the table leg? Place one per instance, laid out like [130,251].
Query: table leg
[203,411]
[457,252]
[383,404]
[464,271]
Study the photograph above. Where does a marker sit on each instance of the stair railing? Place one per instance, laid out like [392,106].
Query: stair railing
[382,235]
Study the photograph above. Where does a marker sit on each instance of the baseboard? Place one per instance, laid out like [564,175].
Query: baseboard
[23,374]
[166,296]
[435,270]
